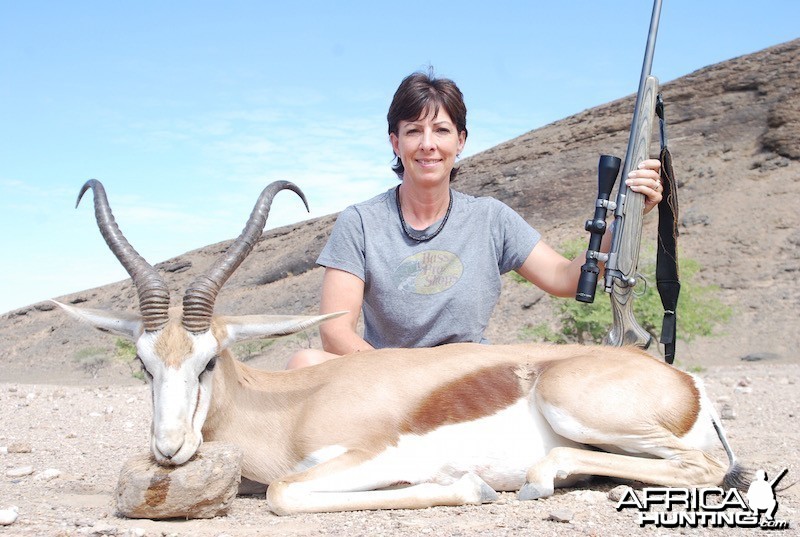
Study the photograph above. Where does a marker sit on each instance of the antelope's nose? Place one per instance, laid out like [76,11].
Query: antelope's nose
[168,447]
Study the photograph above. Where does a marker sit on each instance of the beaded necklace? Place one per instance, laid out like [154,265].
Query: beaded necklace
[403,221]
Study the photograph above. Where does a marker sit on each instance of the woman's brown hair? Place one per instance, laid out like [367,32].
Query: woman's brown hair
[420,93]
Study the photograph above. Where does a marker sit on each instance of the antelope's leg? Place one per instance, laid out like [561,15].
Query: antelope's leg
[347,483]
[690,467]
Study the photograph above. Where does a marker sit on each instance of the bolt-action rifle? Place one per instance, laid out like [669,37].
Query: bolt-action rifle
[622,260]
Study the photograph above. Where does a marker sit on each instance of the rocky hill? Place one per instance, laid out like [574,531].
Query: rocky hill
[733,130]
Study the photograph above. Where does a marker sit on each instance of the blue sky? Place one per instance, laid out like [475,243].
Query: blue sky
[186,110]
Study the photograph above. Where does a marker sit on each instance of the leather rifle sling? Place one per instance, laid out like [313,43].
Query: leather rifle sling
[667,279]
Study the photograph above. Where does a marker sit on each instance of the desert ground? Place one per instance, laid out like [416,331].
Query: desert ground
[62,448]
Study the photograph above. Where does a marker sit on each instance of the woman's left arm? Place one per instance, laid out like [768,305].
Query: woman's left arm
[557,275]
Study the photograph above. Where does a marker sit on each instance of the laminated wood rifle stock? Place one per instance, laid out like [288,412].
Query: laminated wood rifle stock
[622,260]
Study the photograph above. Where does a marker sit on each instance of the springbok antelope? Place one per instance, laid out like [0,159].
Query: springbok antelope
[403,428]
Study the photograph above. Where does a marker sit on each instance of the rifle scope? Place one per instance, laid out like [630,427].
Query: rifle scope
[608,169]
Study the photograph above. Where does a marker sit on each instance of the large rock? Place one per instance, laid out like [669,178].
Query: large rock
[204,487]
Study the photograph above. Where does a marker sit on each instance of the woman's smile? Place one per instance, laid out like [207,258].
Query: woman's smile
[428,146]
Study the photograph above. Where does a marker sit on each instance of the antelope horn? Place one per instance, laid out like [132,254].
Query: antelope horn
[198,302]
[153,291]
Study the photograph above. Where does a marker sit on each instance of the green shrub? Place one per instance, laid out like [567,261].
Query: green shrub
[91,359]
[125,349]
[699,307]
[247,350]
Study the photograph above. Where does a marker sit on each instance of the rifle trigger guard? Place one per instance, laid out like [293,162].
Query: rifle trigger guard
[644,289]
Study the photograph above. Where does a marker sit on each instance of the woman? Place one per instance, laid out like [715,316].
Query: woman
[422,260]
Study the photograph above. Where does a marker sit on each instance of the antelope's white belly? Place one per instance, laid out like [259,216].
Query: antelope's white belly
[499,448]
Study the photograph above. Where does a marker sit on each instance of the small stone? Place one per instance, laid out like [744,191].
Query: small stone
[103,528]
[618,492]
[47,475]
[203,487]
[588,496]
[727,412]
[22,471]
[561,515]
[743,385]
[9,515]
[20,447]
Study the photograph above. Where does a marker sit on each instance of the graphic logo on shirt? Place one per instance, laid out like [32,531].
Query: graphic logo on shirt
[428,273]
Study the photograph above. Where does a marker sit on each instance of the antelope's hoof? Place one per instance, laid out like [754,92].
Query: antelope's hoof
[531,491]
[478,490]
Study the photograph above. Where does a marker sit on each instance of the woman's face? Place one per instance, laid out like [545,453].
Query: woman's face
[428,147]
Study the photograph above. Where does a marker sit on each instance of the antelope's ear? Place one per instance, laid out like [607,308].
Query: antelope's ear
[127,325]
[244,327]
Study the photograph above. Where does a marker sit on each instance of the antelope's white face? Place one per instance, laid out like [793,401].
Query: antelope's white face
[179,367]
[179,350]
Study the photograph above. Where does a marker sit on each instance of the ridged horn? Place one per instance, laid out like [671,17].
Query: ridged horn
[198,301]
[150,286]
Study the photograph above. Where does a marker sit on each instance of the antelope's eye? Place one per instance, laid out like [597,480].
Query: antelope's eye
[210,365]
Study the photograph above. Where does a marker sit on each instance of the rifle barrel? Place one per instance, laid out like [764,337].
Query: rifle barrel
[647,65]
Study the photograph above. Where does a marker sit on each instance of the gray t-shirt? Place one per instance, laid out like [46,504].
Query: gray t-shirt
[423,294]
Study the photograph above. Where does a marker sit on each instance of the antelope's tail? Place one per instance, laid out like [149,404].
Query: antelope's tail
[737,476]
